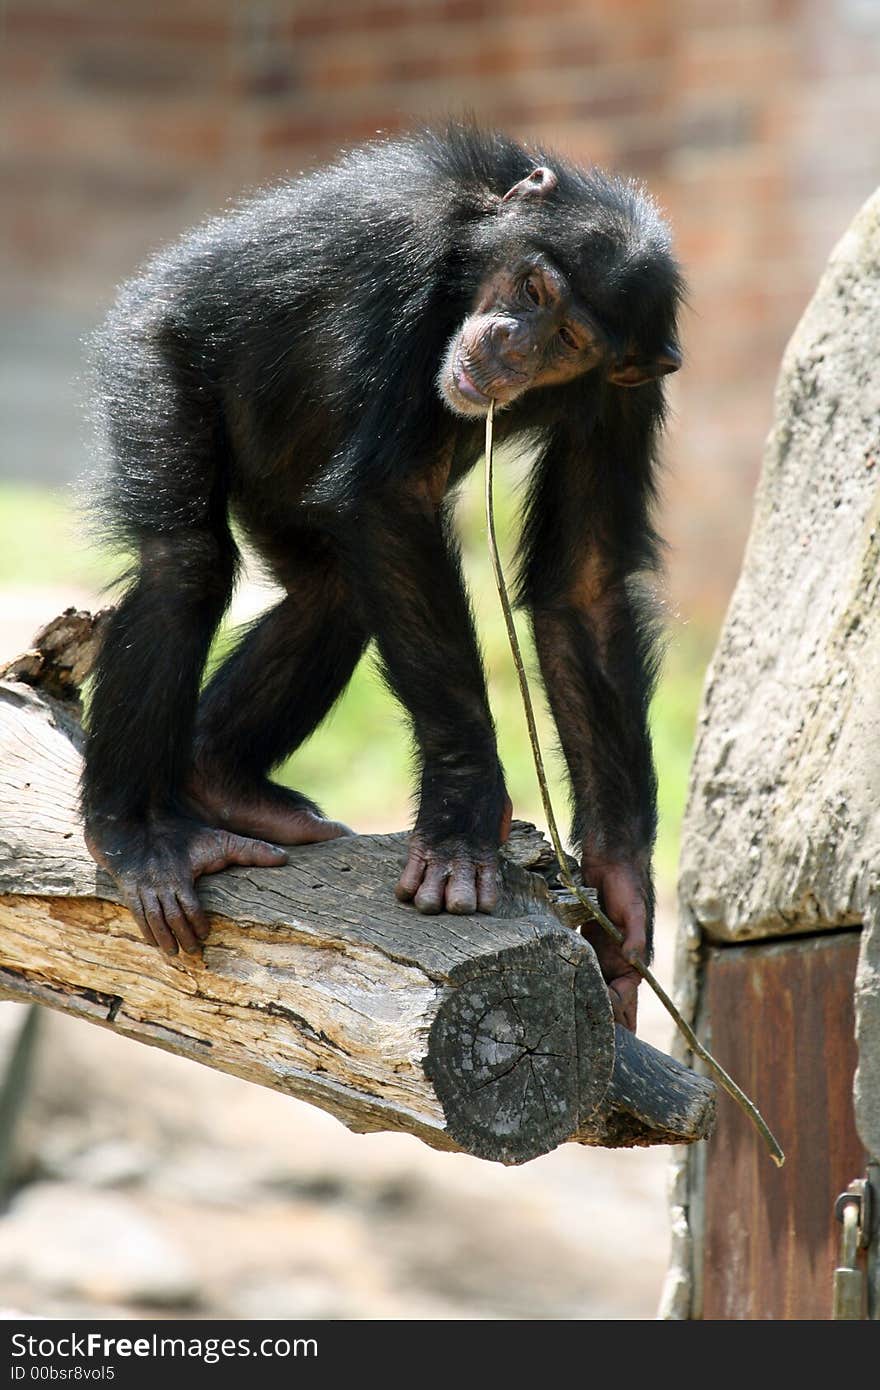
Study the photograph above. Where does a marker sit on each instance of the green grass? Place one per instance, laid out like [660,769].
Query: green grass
[358,765]
[43,540]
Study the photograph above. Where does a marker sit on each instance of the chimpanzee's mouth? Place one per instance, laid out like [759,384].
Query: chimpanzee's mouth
[466,386]
[458,382]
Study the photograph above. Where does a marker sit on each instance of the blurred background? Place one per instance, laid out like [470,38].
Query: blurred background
[142,1182]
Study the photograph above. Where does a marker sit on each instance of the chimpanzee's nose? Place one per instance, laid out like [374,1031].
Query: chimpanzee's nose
[511,341]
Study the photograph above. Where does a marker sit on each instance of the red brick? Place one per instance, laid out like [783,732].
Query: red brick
[755,123]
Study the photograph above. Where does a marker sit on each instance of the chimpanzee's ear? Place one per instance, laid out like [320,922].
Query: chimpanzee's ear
[635,371]
[537,184]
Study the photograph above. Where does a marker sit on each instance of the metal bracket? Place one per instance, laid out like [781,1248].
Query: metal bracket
[861,1195]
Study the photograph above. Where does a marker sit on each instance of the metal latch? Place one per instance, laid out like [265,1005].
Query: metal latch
[853,1209]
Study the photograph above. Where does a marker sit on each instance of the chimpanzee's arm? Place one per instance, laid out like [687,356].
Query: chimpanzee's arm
[588,534]
[406,575]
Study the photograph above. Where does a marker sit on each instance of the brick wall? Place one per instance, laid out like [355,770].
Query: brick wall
[756,122]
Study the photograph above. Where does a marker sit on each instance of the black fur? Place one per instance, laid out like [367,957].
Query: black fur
[279,364]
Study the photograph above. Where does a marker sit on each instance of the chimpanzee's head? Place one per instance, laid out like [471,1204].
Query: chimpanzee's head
[578,277]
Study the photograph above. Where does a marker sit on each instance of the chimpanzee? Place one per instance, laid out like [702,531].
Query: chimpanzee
[318,364]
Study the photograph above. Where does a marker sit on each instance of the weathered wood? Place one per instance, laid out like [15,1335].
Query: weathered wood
[781,1015]
[62,655]
[488,1034]
[781,833]
[781,836]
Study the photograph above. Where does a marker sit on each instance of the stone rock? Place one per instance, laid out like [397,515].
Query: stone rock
[70,1239]
[108,1163]
[294,1298]
[782,831]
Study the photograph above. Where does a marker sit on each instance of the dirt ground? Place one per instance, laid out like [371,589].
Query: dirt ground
[152,1185]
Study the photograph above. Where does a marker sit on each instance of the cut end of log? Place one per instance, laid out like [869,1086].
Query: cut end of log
[517,1052]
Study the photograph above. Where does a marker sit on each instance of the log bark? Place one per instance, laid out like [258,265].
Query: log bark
[492,1035]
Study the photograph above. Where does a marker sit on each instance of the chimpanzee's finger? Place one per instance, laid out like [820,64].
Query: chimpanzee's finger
[487,887]
[430,896]
[198,918]
[624,995]
[461,888]
[158,926]
[133,903]
[410,880]
[634,946]
[177,923]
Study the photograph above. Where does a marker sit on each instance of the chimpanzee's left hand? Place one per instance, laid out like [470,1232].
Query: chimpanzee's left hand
[622,896]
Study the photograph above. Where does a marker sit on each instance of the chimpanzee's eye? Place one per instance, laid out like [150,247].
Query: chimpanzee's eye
[568,337]
[532,291]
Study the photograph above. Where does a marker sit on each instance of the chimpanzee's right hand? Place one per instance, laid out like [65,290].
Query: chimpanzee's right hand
[155,866]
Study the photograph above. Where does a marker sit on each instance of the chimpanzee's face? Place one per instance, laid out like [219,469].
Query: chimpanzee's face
[526,329]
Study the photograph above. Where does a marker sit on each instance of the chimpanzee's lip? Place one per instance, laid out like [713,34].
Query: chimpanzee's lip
[466,386]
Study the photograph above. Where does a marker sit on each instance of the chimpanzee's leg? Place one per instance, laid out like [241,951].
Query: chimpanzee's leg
[409,586]
[269,695]
[164,494]
[139,825]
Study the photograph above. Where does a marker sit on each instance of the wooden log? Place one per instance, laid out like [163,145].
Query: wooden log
[492,1035]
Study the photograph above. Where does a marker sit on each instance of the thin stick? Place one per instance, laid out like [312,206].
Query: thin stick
[726,1082]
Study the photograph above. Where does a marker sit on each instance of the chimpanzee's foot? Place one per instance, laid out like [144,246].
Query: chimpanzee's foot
[263,809]
[452,876]
[155,866]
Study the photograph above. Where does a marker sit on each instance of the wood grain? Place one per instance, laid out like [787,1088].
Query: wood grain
[781,1016]
[489,1034]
